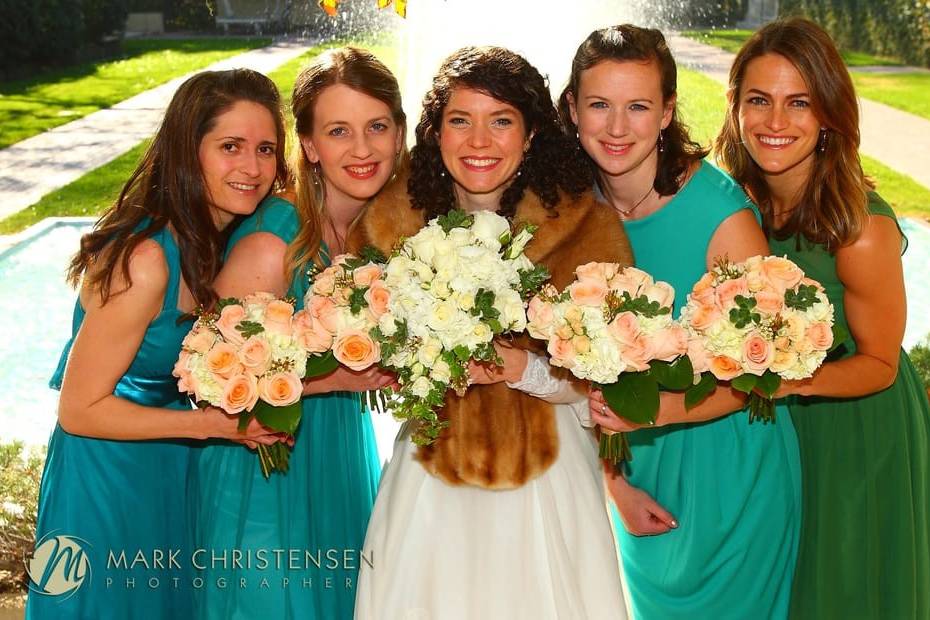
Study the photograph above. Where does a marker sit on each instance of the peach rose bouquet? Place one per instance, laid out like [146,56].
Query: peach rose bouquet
[248,357]
[614,327]
[753,324]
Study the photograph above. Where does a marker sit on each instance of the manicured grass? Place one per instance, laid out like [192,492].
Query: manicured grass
[703,105]
[906,91]
[732,41]
[29,107]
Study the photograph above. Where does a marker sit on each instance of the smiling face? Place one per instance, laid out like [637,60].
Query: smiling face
[355,140]
[482,142]
[237,160]
[619,112]
[777,124]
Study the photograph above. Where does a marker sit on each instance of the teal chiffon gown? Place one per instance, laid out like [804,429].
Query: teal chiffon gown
[734,487]
[116,497]
[289,546]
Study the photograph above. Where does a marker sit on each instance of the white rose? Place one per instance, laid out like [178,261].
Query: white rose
[441,372]
[442,315]
[428,352]
[489,228]
[421,387]
[387,325]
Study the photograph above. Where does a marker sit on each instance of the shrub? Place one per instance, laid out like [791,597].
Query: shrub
[20,473]
[920,356]
[103,19]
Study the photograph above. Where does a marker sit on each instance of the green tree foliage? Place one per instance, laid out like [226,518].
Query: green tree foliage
[20,472]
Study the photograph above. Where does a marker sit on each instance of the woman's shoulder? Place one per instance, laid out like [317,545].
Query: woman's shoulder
[276,215]
[878,206]
[717,187]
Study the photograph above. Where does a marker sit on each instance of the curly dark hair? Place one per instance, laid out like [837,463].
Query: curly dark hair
[550,166]
[624,43]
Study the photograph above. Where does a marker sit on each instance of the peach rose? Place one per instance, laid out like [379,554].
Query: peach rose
[278,315]
[324,283]
[229,317]
[260,298]
[783,361]
[255,355]
[703,290]
[698,355]
[200,340]
[594,271]
[280,389]
[539,314]
[185,383]
[769,302]
[324,310]
[781,272]
[809,282]
[758,354]
[670,343]
[356,349]
[724,367]
[588,292]
[631,280]
[239,394]
[638,353]
[223,360]
[820,335]
[562,352]
[582,344]
[703,316]
[661,292]
[378,297]
[728,290]
[315,338]
[366,275]
[624,328]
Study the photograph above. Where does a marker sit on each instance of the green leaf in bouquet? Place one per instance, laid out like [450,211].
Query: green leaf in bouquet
[840,336]
[700,390]
[768,383]
[249,328]
[323,364]
[457,218]
[676,375]
[743,314]
[371,254]
[635,396]
[462,353]
[226,301]
[745,383]
[532,280]
[282,419]
[357,301]
[484,305]
[804,298]
[244,418]
[639,305]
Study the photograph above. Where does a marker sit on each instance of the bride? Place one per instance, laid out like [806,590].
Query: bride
[504,516]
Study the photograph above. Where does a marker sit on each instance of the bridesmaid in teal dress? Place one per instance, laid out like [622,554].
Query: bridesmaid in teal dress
[351,126]
[117,460]
[709,505]
[863,420]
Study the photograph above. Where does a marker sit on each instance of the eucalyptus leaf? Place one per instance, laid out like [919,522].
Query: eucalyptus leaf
[634,396]
[318,365]
[282,419]
[768,383]
[745,383]
[700,390]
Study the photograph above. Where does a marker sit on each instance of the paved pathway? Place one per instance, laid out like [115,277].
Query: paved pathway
[898,139]
[33,167]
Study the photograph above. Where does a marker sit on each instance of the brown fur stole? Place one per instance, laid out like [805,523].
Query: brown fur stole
[500,438]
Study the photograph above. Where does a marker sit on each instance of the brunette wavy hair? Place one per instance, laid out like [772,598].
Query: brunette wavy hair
[167,187]
[549,167]
[832,207]
[625,43]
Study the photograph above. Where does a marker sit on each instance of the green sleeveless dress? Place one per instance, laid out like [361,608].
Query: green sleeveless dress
[734,487]
[865,536]
[120,498]
[289,546]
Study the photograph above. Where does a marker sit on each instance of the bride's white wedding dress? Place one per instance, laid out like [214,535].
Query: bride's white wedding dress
[543,550]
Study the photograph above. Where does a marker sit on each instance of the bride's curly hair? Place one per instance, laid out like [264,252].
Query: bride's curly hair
[550,166]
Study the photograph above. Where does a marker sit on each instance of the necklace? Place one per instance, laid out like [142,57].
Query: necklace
[627,212]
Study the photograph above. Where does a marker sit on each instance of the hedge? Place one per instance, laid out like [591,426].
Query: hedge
[899,28]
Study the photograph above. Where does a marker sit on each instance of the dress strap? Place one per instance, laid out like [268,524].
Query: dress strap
[173,257]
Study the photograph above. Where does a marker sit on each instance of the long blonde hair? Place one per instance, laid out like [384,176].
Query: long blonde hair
[833,206]
[360,70]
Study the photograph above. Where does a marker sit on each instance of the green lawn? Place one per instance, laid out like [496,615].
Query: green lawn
[732,41]
[906,91]
[29,107]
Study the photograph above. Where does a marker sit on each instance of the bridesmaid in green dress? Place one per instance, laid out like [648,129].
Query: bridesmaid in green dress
[117,459]
[733,488]
[791,139]
[351,126]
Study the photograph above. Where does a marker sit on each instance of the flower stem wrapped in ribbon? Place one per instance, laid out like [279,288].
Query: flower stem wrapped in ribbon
[753,324]
[248,357]
[614,326]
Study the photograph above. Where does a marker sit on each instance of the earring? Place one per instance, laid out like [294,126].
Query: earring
[442,173]
[822,142]
[661,143]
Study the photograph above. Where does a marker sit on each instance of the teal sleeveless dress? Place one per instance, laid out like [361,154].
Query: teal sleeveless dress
[865,535]
[124,497]
[289,546]
[734,487]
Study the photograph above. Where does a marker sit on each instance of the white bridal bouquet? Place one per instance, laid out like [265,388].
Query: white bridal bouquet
[614,326]
[755,323]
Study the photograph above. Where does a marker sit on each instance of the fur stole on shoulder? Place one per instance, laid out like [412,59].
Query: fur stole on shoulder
[500,438]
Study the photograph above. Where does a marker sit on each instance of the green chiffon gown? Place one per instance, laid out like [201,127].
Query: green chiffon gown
[734,487]
[865,535]
[289,546]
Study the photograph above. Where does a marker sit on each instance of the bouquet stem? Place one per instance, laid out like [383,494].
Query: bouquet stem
[761,408]
[272,458]
[614,447]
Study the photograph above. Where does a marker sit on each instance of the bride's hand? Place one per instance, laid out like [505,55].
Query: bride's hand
[605,417]
[515,360]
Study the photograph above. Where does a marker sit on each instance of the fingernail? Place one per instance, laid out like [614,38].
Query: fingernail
[674,523]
